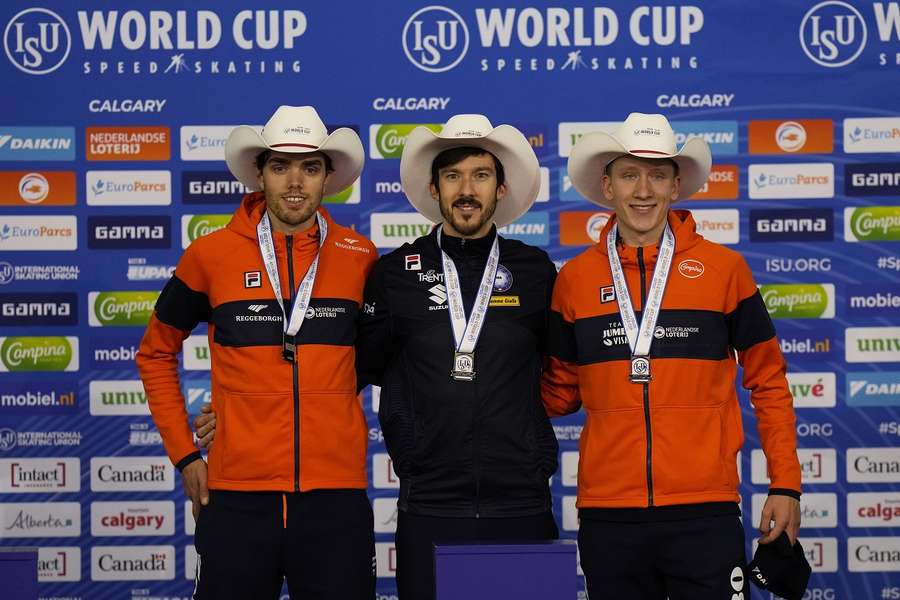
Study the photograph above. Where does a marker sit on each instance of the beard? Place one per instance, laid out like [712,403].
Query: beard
[462,225]
[293,215]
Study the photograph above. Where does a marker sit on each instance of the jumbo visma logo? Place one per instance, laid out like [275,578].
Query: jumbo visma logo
[873,224]
[121,309]
[799,300]
[387,141]
[20,354]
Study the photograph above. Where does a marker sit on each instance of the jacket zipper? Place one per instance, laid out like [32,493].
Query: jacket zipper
[296,388]
[647,428]
[475,420]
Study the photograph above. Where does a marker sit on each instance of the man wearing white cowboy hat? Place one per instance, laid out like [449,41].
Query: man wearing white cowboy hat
[647,330]
[280,287]
[453,330]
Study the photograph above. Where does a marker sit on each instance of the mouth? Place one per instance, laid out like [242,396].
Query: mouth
[467,205]
[293,199]
[642,209]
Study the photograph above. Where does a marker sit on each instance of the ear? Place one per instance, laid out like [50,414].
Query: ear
[676,188]
[435,193]
[606,188]
[260,181]
[501,191]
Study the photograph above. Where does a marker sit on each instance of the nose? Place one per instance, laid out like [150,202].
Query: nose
[468,187]
[642,188]
[295,177]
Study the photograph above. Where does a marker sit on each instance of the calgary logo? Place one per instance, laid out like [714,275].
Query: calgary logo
[833,33]
[37,41]
[435,39]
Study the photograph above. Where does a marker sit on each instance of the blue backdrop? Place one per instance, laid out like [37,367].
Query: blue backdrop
[111,163]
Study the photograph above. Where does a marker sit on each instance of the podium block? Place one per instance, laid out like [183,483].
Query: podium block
[18,573]
[538,571]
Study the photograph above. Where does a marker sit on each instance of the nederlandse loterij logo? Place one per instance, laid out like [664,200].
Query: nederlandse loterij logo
[195,226]
[37,41]
[38,354]
[435,39]
[872,224]
[799,300]
[387,140]
[116,309]
[833,33]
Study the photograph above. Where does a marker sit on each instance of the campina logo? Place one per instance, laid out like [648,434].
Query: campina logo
[833,33]
[27,353]
[387,140]
[872,224]
[799,300]
[37,41]
[196,226]
[435,39]
[120,308]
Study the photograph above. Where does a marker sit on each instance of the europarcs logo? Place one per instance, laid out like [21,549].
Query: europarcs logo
[833,33]
[37,41]
[435,39]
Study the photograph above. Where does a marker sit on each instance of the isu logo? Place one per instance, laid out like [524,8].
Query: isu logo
[690,268]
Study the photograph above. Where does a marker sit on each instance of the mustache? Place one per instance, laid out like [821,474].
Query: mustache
[466,200]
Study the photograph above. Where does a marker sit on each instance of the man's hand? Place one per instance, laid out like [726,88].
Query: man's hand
[205,426]
[780,513]
[193,478]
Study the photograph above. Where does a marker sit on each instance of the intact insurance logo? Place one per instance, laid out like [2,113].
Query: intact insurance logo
[872,224]
[31,353]
[799,300]
[876,388]
[388,140]
[437,39]
[121,308]
[37,143]
[37,41]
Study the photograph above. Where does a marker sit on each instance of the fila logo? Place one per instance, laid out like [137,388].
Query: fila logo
[351,241]
[252,279]
[607,294]
[438,293]
[413,262]
[256,307]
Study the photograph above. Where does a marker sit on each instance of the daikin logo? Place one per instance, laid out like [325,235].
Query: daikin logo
[874,388]
[37,41]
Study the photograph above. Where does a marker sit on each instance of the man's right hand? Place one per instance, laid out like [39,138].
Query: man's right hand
[193,478]
[205,426]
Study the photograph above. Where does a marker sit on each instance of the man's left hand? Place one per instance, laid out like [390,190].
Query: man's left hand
[780,513]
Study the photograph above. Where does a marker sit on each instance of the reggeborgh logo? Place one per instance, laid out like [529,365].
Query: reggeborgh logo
[37,41]
[833,33]
[435,39]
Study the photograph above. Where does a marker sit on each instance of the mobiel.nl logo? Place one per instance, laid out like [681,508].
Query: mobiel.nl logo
[120,309]
[799,301]
[23,354]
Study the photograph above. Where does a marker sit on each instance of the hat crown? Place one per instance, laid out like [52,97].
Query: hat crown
[466,126]
[647,134]
[295,126]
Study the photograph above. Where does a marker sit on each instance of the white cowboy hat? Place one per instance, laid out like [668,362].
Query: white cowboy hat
[520,165]
[296,129]
[643,136]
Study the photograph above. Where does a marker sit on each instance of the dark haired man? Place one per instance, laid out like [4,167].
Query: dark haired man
[453,330]
[286,476]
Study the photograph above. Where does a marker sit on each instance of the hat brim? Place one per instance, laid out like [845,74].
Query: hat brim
[593,152]
[520,166]
[342,146]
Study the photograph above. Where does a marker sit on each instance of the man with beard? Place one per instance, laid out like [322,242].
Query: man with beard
[647,330]
[280,287]
[453,330]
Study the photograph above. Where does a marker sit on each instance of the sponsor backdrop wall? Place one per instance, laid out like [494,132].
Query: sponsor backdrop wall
[111,147]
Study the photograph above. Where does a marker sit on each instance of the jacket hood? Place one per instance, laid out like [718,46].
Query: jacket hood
[683,227]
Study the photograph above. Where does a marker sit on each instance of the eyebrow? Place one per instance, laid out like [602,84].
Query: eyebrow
[307,162]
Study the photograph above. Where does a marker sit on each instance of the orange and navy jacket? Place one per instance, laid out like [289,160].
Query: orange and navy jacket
[674,440]
[280,426]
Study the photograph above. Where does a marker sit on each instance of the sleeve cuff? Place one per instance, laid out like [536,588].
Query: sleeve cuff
[785,492]
[181,464]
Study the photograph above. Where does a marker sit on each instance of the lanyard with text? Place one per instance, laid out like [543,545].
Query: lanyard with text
[290,326]
[639,339]
[465,334]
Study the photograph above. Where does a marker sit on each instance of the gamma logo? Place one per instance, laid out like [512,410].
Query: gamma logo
[435,39]
[37,41]
[833,34]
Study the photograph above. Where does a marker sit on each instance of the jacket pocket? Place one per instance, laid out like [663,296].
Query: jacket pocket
[256,433]
[688,449]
